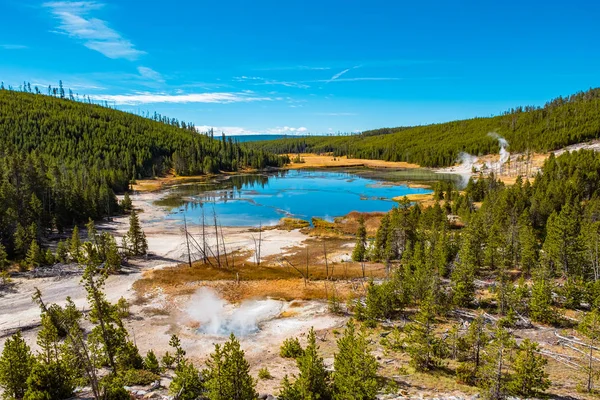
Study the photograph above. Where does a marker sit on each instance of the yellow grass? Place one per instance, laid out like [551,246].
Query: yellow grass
[329,161]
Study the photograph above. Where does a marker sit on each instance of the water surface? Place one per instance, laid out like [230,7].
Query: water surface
[253,199]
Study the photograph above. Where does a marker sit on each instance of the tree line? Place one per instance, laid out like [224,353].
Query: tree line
[62,161]
[560,122]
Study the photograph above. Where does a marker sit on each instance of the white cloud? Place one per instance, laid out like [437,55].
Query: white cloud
[12,46]
[149,98]
[238,130]
[150,74]
[287,129]
[95,34]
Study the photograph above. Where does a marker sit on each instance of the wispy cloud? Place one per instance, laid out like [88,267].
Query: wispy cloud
[337,114]
[339,74]
[75,21]
[363,79]
[257,80]
[149,73]
[151,98]
[12,46]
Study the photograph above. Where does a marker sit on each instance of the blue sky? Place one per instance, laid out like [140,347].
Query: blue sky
[305,67]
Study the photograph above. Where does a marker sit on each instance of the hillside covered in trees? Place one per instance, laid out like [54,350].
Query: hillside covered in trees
[560,122]
[62,161]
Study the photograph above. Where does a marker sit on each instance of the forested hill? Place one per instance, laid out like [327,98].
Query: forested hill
[61,161]
[561,122]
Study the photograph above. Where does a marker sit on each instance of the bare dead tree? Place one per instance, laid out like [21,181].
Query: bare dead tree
[217,237]
[224,248]
[187,240]
[326,264]
[257,245]
[203,236]
[305,277]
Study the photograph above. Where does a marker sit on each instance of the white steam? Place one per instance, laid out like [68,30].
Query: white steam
[504,154]
[218,317]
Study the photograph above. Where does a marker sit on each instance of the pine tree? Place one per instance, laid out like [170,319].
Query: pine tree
[52,376]
[34,255]
[62,252]
[355,376]
[151,363]
[312,382]
[494,374]
[527,244]
[530,377]
[472,347]
[135,239]
[187,383]
[540,305]
[113,258]
[360,249]
[4,263]
[75,246]
[126,204]
[463,275]
[590,327]
[228,373]
[15,366]
[108,335]
[562,246]
[423,345]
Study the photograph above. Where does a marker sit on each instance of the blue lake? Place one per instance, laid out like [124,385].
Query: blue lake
[253,199]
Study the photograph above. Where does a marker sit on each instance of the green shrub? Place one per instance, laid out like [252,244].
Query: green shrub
[264,374]
[291,348]
[138,377]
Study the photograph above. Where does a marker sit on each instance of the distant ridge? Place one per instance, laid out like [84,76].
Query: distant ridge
[560,122]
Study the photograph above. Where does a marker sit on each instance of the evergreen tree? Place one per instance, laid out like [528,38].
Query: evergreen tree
[540,305]
[4,263]
[52,376]
[463,275]
[530,377]
[228,373]
[360,249]
[527,244]
[355,376]
[151,363]
[187,383]
[108,335]
[15,366]
[135,239]
[472,347]
[62,252]
[423,345]
[126,204]
[562,246]
[494,374]
[34,255]
[312,382]
[75,246]
[590,327]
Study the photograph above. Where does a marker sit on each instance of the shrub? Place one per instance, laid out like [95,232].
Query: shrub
[291,348]
[264,374]
[138,377]
[168,360]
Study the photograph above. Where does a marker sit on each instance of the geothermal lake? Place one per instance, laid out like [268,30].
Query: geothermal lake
[253,199]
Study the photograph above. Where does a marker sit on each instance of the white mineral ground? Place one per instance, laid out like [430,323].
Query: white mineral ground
[167,247]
